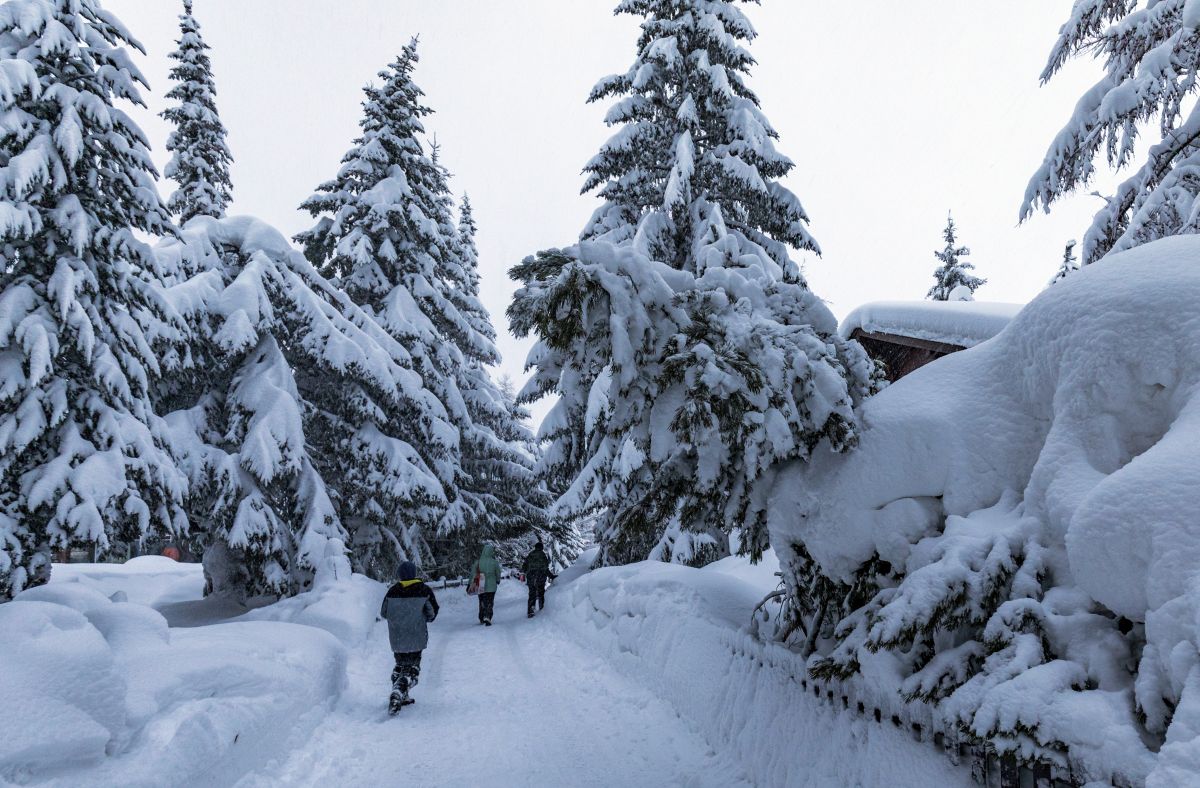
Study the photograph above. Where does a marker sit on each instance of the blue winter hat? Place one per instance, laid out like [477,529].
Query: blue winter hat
[408,571]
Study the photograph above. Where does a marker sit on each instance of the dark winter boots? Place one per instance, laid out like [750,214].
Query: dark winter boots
[405,676]
[537,596]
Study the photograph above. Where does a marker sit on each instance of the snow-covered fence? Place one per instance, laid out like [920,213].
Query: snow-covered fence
[676,628]
[988,767]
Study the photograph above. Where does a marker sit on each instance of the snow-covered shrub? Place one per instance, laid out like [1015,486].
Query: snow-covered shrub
[687,352]
[1150,52]
[1015,538]
[297,417]
[82,454]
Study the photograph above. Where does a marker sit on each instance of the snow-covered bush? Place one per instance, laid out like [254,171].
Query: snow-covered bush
[687,352]
[1015,538]
[298,418]
[1150,52]
[83,458]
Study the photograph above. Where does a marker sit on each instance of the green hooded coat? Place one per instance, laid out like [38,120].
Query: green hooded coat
[490,567]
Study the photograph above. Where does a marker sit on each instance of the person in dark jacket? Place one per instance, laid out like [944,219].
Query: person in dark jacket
[409,607]
[536,569]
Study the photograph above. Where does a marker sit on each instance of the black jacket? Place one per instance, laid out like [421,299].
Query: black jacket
[536,568]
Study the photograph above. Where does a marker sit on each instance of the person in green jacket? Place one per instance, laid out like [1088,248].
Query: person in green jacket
[489,567]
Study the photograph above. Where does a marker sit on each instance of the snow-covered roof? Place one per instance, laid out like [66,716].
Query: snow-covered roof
[962,323]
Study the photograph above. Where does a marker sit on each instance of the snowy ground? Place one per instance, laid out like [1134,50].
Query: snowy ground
[518,703]
[639,675]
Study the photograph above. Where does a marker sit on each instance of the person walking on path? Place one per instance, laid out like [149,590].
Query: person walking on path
[409,606]
[489,567]
[537,571]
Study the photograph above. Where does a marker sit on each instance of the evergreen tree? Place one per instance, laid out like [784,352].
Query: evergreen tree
[82,454]
[691,139]
[954,271]
[688,354]
[1150,55]
[200,159]
[1069,264]
[386,231]
[498,452]
[286,411]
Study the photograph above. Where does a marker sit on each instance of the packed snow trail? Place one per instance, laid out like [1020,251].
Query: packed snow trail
[515,704]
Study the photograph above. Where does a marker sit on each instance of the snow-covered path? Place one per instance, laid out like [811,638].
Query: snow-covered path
[517,704]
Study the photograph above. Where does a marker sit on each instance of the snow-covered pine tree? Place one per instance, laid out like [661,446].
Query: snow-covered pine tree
[286,414]
[1069,264]
[200,158]
[82,455]
[954,271]
[386,230]
[1150,55]
[688,354]
[508,501]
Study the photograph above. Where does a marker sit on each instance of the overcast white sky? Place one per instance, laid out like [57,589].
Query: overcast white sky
[893,112]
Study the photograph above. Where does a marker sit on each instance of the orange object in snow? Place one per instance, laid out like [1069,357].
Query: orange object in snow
[171,552]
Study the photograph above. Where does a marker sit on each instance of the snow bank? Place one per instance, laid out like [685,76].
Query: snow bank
[341,602]
[151,580]
[1036,499]
[962,323]
[683,632]
[101,691]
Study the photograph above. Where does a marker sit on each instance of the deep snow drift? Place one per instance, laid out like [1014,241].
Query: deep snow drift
[683,631]
[1037,499]
[98,690]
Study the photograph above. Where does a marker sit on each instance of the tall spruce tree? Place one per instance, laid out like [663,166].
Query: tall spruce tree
[1150,53]
[688,353]
[200,158]
[286,414]
[386,231]
[82,454]
[954,271]
[497,454]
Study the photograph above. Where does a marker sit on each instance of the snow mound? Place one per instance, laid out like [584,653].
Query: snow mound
[1035,499]
[149,580]
[676,629]
[954,322]
[341,602]
[102,692]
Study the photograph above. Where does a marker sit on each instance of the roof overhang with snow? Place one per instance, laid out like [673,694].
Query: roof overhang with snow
[940,326]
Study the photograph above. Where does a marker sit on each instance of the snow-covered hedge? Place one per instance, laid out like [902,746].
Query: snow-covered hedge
[104,687]
[683,632]
[1016,539]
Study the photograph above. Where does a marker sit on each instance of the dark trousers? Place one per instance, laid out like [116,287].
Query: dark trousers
[537,594]
[407,670]
[487,603]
